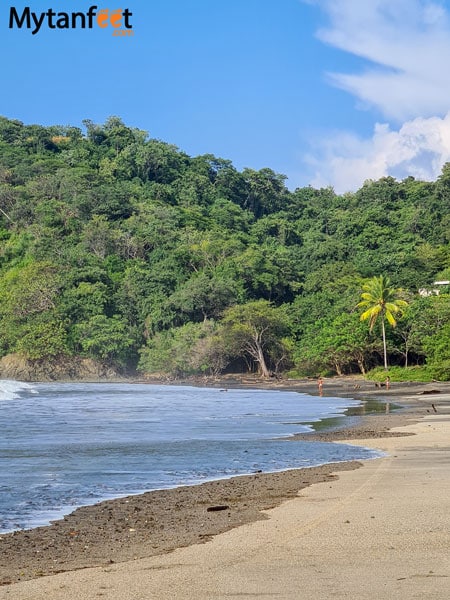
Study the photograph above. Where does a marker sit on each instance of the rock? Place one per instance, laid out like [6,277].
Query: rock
[16,366]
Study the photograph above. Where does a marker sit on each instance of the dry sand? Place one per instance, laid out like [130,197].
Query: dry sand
[381,531]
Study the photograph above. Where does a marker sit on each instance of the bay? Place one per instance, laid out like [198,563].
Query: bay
[65,445]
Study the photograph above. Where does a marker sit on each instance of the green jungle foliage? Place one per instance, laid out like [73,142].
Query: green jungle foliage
[122,248]
[417,373]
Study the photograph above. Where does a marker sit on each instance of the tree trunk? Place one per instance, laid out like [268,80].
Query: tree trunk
[338,369]
[262,362]
[384,345]
[361,366]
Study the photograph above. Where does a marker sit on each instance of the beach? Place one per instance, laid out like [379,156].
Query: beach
[357,530]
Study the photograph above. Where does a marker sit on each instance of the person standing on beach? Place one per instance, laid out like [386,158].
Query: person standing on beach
[320,385]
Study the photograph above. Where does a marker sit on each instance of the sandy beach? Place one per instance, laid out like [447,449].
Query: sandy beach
[375,530]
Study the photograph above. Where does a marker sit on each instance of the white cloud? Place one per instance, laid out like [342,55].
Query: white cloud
[419,149]
[407,44]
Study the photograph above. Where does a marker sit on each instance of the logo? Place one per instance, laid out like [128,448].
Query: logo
[118,20]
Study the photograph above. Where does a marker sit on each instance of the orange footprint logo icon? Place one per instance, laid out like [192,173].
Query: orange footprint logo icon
[102,18]
[116,17]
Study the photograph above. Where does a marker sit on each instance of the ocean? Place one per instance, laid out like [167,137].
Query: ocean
[65,445]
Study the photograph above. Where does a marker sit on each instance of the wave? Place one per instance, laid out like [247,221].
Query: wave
[10,389]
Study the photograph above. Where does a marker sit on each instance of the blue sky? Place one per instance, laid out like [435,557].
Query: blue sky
[328,92]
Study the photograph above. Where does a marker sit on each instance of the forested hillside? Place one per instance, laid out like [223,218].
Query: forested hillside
[124,249]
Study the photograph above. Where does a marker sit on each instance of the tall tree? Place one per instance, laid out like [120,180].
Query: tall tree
[379,299]
[256,331]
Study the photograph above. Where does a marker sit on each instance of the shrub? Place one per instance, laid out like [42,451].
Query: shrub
[419,373]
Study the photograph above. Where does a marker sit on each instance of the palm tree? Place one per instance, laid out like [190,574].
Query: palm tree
[379,299]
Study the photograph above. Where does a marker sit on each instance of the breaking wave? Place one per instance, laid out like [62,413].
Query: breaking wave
[10,389]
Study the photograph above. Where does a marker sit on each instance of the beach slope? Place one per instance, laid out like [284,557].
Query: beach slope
[381,531]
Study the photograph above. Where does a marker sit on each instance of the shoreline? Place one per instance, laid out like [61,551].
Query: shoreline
[155,523]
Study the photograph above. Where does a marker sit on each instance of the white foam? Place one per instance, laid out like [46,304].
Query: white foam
[10,389]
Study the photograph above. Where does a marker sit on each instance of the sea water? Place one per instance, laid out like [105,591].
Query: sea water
[65,445]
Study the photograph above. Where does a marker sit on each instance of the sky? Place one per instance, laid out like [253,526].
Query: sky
[326,92]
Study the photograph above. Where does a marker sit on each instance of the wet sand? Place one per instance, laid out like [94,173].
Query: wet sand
[129,530]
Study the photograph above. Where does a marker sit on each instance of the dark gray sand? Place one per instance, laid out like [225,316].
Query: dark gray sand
[158,522]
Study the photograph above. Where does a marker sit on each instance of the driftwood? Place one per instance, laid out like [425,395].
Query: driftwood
[217,508]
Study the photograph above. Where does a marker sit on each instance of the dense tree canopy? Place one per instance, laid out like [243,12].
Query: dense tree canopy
[122,248]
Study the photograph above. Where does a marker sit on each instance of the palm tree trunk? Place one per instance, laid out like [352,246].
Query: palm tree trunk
[384,344]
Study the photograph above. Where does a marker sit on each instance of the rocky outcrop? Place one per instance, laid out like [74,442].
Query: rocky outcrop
[16,366]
